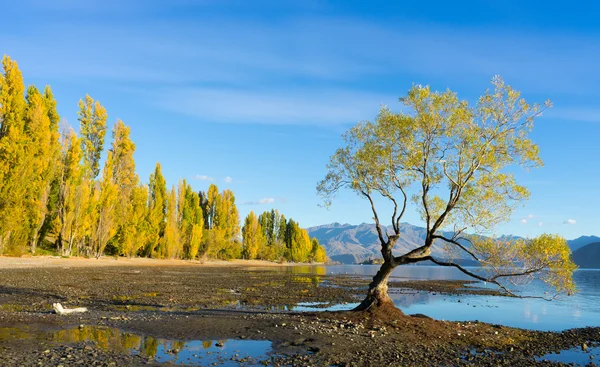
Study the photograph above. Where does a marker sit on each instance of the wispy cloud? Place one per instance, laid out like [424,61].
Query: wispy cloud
[228,179]
[570,221]
[322,107]
[231,70]
[260,202]
[530,216]
[523,221]
[204,178]
[540,224]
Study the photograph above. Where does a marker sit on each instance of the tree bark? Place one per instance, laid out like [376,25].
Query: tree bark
[377,296]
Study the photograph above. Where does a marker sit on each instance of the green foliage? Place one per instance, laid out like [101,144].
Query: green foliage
[191,220]
[454,162]
[92,119]
[253,237]
[222,226]
[157,209]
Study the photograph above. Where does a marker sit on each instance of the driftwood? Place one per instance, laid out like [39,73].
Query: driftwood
[60,310]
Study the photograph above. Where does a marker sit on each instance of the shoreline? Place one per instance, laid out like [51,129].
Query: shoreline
[48,261]
[134,307]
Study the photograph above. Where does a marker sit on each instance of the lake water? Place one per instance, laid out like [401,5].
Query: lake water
[579,310]
[223,353]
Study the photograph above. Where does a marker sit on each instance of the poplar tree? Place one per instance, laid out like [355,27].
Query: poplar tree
[317,253]
[191,221]
[222,223]
[73,193]
[297,241]
[169,245]
[43,148]
[273,229]
[253,239]
[137,224]
[92,119]
[13,157]
[126,181]
[157,209]
[104,226]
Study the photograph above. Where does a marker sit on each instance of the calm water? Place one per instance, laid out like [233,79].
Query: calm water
[224,353]
[580,310]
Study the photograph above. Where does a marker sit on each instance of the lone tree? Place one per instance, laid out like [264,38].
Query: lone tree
[454,163]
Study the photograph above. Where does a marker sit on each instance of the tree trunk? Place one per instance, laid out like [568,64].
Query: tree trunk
[377,295]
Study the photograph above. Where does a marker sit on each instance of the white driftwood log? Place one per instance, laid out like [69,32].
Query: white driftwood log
[60,310]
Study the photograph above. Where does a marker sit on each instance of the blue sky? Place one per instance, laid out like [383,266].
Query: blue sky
[254,95]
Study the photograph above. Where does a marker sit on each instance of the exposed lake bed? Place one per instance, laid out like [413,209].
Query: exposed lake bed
[230,316]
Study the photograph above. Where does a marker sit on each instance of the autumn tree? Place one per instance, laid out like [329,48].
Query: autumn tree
[14,165]
[73,193]
[157,209]
[454,163]
[92,119]
[317,252]
[126,180]
[104,214]
[137,224]
[253,239]
[222,223]
[298,242]
[42,139]
[273,226]
[191,221]
[169,244]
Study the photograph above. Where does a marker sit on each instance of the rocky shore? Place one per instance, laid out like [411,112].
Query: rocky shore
[151,315]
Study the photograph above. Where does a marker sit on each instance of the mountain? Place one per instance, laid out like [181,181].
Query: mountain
[350,244]
[578,243]
[588,256]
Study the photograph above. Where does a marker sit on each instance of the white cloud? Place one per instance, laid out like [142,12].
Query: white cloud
[204,178]
[540,224]
[325,106]
[523,221]
[570,221]
[260,202]
[530,216]
[228,179]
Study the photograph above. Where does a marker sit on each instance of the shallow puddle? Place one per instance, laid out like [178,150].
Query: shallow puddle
[226,352]
[574,355]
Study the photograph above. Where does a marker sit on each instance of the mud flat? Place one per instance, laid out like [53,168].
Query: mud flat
[242,314]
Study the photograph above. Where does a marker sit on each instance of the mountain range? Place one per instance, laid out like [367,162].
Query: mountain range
[588,256]
[351,244]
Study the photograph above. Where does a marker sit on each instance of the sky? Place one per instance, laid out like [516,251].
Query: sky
[254,96]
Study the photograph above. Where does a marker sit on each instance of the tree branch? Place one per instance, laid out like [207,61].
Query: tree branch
[456,243]
[376,218]
[493,280]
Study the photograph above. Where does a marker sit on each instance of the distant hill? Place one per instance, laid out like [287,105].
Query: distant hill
[582,241]
[348,244]
[588,256]
[354,244]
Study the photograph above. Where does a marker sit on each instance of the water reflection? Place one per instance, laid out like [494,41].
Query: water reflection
[196,352]
[577,356]
[579,310]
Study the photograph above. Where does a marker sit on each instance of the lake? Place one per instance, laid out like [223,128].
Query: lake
[579,310]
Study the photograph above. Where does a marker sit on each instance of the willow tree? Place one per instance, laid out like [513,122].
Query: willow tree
[454,163]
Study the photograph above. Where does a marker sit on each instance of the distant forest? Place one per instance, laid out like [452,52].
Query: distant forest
[55,197]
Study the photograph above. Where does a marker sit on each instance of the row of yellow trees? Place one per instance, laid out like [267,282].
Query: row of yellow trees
[270,237]
[54,193]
